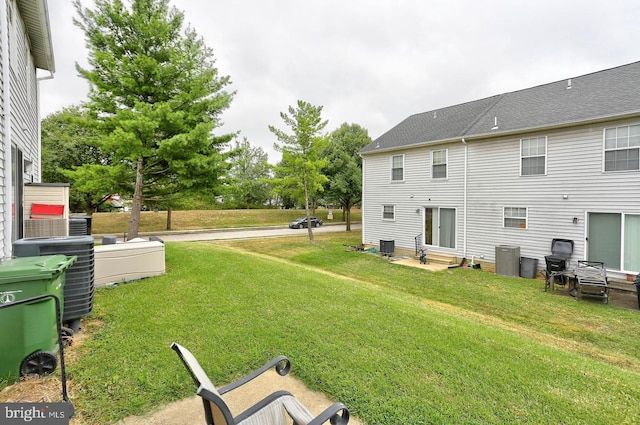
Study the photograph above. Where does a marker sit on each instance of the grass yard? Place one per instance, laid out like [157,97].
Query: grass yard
[398,345]
[118,223]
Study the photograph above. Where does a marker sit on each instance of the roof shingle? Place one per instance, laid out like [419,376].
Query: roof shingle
[600,95]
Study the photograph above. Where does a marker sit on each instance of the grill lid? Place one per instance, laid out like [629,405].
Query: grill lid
[562,248]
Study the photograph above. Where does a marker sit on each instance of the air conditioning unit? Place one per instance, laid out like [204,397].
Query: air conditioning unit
[45,228]
[507,260]
[79,282]
[387,247]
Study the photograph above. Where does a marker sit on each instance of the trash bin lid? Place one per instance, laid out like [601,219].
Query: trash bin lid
[34,268]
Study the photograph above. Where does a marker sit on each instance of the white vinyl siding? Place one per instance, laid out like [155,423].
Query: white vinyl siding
[574,168]
[439,164]
[397,168]
[411,196]
[20,127]
[557,206]
[622,148]
[23,88]
[515,217]
[533,156]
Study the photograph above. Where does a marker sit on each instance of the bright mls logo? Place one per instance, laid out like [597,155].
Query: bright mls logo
[36,413]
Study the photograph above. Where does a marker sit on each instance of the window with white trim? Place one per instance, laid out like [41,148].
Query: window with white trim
[533,156]
[622,148]
[439,164]
[515,217]
[388,212]
[397,168]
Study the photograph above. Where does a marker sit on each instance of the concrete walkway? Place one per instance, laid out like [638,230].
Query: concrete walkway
[190,411]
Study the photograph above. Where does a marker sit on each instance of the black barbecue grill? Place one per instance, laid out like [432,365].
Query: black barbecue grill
[561,250]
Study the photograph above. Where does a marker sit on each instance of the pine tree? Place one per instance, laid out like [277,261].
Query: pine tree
[157,95]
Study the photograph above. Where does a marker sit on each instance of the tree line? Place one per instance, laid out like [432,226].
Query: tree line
[148,128]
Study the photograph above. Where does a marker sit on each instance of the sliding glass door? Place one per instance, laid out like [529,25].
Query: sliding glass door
[440,227]
[613,239]
[632,242]
[16,192]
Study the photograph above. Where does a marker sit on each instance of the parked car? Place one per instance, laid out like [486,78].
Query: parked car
[302,222]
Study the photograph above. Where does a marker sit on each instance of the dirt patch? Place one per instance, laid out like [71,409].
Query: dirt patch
[33,390]
[624,299]
[48,389]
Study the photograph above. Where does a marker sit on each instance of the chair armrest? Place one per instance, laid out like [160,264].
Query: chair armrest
[337,414]
[281,363]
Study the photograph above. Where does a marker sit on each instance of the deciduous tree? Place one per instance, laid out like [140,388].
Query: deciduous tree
[344,167]
[301,164]
[249,177]
[70,153]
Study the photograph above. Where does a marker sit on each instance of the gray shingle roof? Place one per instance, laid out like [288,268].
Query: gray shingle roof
[605,94]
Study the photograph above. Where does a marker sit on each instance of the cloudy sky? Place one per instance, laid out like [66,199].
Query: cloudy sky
[374,62]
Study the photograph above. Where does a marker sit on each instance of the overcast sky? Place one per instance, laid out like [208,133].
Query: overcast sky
[374,62]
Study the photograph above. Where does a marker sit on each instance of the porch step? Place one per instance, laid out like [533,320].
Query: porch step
[440,258]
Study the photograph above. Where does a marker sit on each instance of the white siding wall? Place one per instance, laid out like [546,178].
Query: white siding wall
[426,192]
[574,168]
[24,109]
[19,124]
[5,147]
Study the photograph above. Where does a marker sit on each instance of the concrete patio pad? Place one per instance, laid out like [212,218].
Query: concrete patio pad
[412,262]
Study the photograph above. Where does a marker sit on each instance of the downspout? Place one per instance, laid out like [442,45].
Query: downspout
[362,200]
[7,226]
[38,178]
[464,216]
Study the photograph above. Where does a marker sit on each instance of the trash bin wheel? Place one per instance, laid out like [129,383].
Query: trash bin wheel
[67,336]
[39,363]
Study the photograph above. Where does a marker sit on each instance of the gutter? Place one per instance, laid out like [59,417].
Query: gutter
[39,120]
[362,198]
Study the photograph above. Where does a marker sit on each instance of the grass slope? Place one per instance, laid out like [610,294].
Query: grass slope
[118,223]
[398,345]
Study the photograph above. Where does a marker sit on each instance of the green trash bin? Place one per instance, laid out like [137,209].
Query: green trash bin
[29,337]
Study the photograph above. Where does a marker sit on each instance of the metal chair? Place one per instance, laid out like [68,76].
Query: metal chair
[279,408]
[592,280]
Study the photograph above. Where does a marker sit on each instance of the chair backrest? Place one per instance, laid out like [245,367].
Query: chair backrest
[216,411]
[591,273]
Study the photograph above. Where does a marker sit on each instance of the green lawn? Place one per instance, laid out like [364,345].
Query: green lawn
[398,345]
[118,222]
